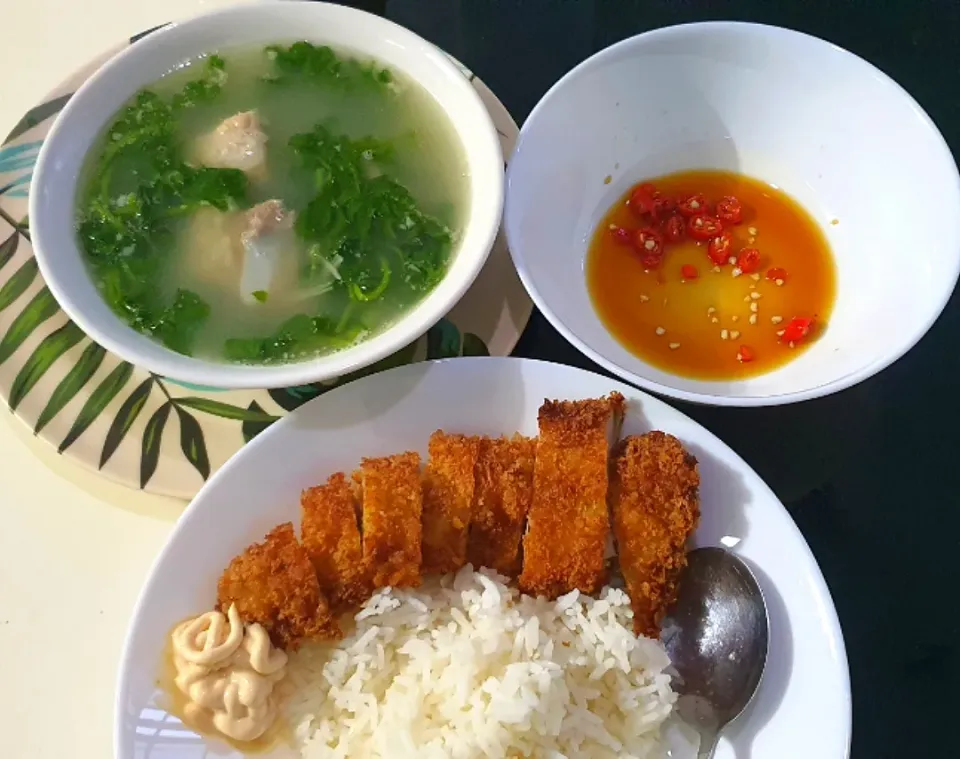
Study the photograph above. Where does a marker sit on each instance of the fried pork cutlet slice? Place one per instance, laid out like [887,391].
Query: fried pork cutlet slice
[392,508]
[568,522]
[654,498]
[504,488]
[331,536]
[274,584]
[448,488]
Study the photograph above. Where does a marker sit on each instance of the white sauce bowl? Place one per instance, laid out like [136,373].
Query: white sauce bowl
[831,130]
[55,180]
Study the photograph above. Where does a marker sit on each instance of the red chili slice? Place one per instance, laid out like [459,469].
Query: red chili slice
[689,271]
[692,205]
[673,228]
[776,273]
[648,242]
[730,210]
[744,354]
[748,261]
[703,227]
[796,330]
[719,249]
[622,235]
[642,199]
[663,205]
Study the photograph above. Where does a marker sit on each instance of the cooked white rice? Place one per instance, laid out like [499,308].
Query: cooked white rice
[467,667]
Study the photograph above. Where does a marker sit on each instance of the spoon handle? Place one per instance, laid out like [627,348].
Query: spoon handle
[708,745]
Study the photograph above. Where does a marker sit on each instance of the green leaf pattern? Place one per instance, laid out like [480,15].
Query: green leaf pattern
[443,340]
[50,349]
[7,248]
[124,419]
[38,310]
[192,443]
[152,439]
[78,376]
[99,399]
[225,410]
[251,429]
[15,286]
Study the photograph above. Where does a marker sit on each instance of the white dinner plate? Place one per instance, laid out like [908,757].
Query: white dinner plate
[803,707]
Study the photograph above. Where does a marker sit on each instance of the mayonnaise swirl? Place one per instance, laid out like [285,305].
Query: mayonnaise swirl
[227,672]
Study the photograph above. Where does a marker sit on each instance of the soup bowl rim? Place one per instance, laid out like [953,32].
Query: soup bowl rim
[53,194]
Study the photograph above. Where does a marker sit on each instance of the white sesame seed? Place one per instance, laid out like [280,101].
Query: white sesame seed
[612,226]
[714,320]
[776,319]
[792,344]
[751,240]
[735,318]
[755,277]
[660,331]
[694,205]
[780,332]
[754,307]
[779,283]
[755,295]
[732,260]
[752,230]
[734,334]
[715,270]
[650,244]
[724,334]
[711,310]
[736,271]
[674,346]
[644,298]
[753,318]
[746,299]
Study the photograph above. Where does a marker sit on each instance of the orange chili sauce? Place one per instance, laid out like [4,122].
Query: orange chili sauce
[633,303]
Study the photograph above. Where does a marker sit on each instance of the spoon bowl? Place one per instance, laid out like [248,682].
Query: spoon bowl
[717,635]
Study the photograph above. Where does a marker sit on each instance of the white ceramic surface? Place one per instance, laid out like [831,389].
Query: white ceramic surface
[802,709]
[81,122]
[830,129]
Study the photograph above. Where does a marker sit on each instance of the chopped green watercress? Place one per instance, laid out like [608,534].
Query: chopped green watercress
[121,231]
[299,336]
[322,66]
[364,223]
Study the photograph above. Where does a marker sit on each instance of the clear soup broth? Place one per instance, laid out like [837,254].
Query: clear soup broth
[272,204]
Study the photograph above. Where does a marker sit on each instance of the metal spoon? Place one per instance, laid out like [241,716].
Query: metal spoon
[716,635]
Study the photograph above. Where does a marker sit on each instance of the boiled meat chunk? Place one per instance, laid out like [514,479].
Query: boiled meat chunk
[271,254]
[211,254]
[237,143]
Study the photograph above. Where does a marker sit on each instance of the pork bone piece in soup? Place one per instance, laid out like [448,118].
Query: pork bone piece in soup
[254,254]
[271,252]
[272,204]
[238,142]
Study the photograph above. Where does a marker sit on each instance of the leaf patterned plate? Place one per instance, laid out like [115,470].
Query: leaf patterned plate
[150,432]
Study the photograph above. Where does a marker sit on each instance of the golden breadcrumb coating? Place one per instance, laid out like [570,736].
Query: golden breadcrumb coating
[504,489]
[568,522]
[331,535]
[391,527]
[274,584]
[448,488]
[655,504]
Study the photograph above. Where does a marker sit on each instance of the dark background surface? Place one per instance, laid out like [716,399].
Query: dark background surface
[866,474]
